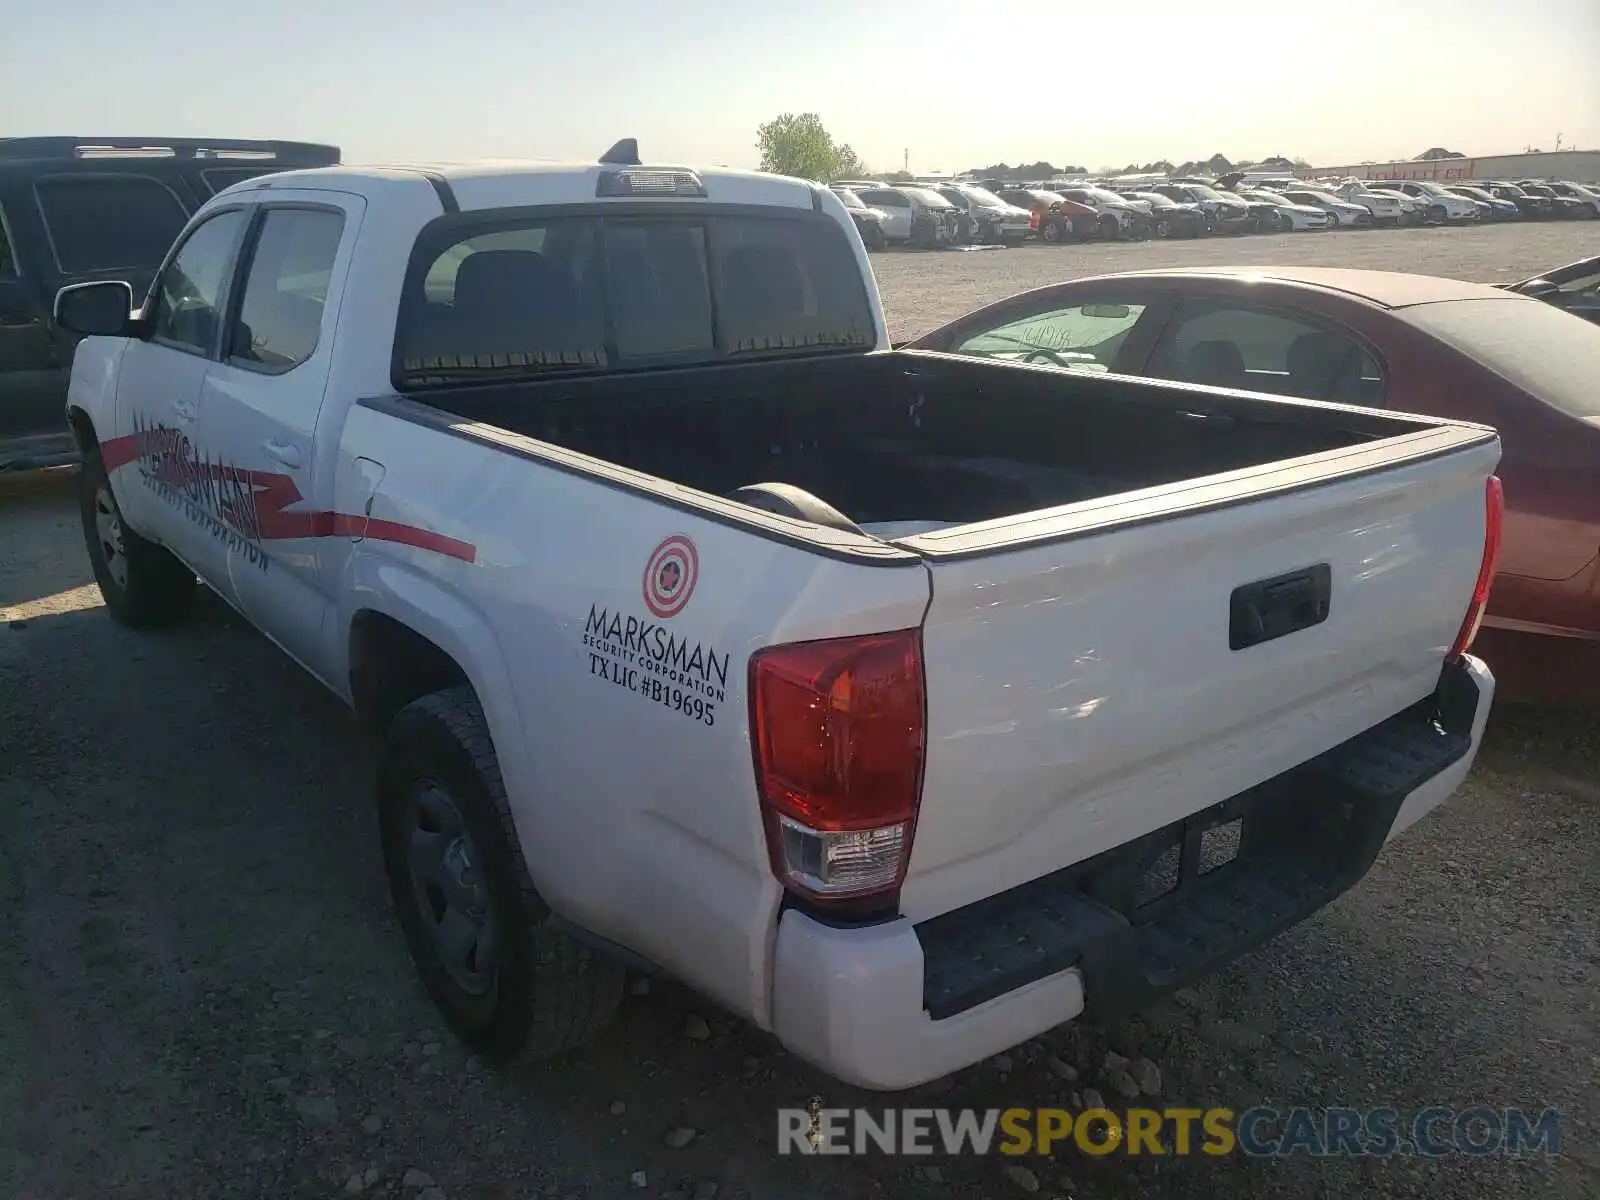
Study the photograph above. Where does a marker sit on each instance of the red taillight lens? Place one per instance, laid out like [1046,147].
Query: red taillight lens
[837,730]
[1494,510]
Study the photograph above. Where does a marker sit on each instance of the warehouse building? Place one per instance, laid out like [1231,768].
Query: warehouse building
[1574,166]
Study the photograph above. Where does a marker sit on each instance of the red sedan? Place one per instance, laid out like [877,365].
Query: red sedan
[1381,339]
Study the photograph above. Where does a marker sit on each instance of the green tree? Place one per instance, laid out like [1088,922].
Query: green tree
[797,144]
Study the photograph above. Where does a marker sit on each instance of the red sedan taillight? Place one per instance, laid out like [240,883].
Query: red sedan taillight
[837,729]
[1494,509]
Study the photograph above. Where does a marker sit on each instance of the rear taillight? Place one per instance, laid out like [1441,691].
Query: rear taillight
[837,731]
[1494,508]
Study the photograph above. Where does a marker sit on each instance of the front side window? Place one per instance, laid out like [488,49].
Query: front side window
[588,294]
[1078,336]
[109,222]
[189,294]
[280,318]
[1227,345]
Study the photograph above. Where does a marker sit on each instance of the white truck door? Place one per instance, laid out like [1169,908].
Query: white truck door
[163,485]
[260,408]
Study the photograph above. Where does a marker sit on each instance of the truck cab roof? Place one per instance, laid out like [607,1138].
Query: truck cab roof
[498,183]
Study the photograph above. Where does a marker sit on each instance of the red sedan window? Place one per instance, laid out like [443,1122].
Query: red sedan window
[1231,345]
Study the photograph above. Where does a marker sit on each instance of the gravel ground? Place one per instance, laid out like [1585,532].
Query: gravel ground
[202,992]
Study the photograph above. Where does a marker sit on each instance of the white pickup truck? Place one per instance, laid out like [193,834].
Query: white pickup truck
[907,705]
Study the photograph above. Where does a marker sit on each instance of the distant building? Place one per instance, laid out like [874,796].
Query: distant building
[1578,166]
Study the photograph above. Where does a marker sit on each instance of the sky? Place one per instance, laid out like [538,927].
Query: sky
[953,83]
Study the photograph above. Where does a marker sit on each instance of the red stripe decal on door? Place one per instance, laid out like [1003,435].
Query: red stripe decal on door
[270,497]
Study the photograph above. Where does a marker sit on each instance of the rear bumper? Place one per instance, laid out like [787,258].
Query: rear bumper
[895,1004]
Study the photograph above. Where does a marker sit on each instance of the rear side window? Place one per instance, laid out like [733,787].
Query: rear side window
[109,222]
[8,256]
[1233,346]
[280,319]
[589,294]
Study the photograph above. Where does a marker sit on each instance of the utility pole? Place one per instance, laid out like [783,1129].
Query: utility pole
[905,160]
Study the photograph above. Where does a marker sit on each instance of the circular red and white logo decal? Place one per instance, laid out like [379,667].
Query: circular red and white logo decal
[670,575]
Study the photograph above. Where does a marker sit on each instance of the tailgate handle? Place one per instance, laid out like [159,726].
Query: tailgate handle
[1274,608]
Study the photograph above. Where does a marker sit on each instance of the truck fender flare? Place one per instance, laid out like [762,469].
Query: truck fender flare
[444,618]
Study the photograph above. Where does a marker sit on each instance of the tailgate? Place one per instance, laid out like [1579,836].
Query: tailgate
[1086,677]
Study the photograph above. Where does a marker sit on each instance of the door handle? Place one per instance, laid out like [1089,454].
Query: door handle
[1273,608]
[286,453]
[184,409]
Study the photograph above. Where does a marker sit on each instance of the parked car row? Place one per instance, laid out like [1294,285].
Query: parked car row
[995,212]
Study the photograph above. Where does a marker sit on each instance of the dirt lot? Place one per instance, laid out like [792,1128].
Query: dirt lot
[202,992]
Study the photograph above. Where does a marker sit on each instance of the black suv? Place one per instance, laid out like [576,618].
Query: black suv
[76,209]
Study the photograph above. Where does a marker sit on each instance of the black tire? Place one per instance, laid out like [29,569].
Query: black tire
[1163,229]
[546,993]
[143,584]
[1051,231]
[1109,228]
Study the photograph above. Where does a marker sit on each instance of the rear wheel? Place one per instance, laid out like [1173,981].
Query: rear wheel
[143,584]
[507,982]
[1109,229]
[1052,232]
[1163,229]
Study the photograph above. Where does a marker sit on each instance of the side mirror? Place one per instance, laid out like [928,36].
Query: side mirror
[101,309]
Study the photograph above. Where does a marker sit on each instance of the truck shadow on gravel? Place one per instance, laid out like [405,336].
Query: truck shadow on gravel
[206,993]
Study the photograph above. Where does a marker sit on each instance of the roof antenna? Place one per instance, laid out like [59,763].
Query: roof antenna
[624,154]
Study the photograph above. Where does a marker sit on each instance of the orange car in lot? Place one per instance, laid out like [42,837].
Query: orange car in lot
[1054,218]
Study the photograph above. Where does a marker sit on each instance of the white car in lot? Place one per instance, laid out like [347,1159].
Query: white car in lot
[1344,212]
[1292,215]
[1386,208]
[1438,204]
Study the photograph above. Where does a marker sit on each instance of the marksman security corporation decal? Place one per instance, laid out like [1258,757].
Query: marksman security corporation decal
[643,656]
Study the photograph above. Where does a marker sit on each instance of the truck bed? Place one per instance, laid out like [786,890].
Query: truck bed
[1149,597]
[906,442]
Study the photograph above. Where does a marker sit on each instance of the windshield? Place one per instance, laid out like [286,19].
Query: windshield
[1202,190]
[1471,192]
[531,295]
[1046,198]
[1548,353]
[1156,199]
[1269,197]
[930,199]
[848,198]
[1104,196]
[982,197]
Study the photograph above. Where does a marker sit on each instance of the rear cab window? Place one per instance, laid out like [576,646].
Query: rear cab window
[108,222]
[531,295]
